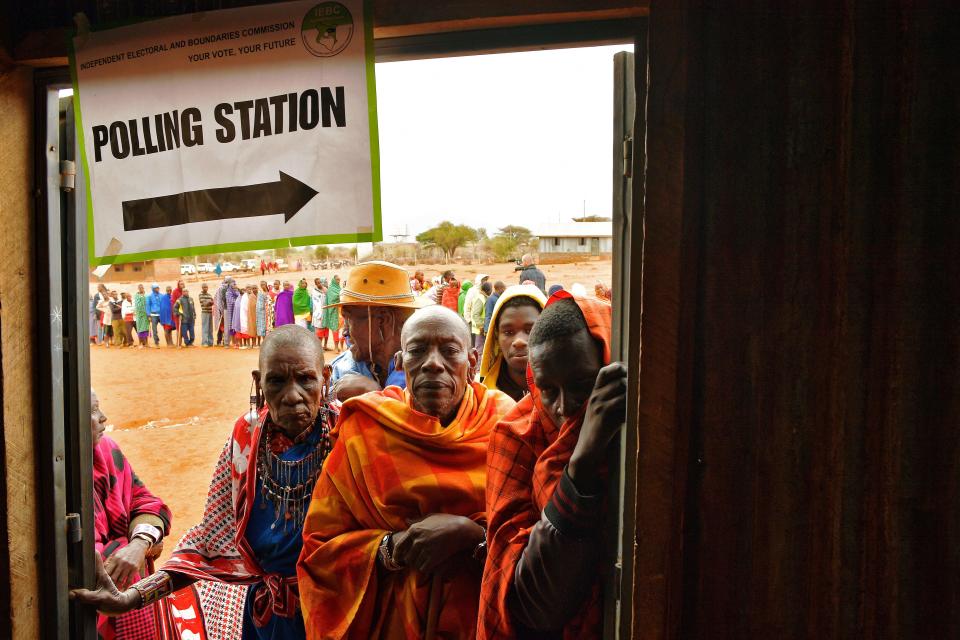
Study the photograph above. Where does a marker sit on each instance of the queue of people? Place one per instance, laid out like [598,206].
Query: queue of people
[230,316]
[417,486]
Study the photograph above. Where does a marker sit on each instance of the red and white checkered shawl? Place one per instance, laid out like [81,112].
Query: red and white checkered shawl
[216,548]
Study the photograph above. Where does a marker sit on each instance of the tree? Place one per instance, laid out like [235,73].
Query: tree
[322,252]
[502,247]
[519,235]
[593,219]
[448,237]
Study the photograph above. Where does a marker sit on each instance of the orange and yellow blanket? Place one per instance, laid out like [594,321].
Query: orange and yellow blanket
[391,465]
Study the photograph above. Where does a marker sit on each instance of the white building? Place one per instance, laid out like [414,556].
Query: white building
[571,241]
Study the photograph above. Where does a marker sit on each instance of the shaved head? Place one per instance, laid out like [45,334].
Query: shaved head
[437,360]
[435,314]
[290,336]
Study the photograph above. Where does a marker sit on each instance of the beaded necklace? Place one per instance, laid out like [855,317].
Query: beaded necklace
[288,484]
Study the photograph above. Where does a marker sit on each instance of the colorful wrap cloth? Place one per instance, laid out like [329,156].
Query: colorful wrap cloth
[219,308]
[238,316]
[284,308]
[231,296]
[461,300]
[217,548]
[526,460]
[331,315]
[302,303]
[176,295]
[166,311]
[264,312]
[252,314]
[118,497]
[140,312]
[391,464]
[451,296]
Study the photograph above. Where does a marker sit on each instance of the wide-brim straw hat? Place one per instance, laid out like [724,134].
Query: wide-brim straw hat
[379,284]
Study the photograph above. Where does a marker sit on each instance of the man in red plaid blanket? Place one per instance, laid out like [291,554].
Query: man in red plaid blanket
[545,480]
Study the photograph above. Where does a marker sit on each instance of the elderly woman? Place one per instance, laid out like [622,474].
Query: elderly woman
[260,492]
[504,363]
[129,524]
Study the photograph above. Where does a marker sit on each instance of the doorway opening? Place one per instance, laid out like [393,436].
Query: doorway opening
[193,396]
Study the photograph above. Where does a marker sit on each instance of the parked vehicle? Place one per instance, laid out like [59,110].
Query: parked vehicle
[228,267]
[187,269]
[249,264]
[205,267]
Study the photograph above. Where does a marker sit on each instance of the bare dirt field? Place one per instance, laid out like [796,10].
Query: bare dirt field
[171,410]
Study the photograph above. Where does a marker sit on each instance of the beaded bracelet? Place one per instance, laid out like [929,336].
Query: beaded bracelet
[154,587]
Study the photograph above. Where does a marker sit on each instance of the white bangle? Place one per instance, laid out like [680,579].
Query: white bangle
[152,534]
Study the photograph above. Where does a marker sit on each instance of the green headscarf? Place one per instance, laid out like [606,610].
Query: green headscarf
[331,315]
[463,296]
[301,301]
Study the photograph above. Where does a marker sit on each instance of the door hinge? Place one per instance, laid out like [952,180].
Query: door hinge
[68,175]
[74,528]
[628,157]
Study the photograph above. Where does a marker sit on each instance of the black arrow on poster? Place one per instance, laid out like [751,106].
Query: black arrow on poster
[286,196]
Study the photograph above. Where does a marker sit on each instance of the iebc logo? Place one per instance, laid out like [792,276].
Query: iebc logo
[327,29]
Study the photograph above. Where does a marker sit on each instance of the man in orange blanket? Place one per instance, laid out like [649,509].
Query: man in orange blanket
[394,540]
[545,481]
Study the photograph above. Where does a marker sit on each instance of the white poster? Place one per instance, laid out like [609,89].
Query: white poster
[229,130]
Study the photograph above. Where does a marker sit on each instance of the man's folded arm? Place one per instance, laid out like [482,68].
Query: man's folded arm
[559,564]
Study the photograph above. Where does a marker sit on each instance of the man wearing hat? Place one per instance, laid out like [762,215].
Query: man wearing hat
[375,304]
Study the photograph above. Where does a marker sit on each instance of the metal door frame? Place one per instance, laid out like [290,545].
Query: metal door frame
[62,353]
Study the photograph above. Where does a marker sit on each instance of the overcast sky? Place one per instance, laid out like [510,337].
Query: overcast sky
[517,138]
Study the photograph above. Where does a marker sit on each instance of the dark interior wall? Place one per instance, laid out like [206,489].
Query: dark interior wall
[38,32]
[801,393]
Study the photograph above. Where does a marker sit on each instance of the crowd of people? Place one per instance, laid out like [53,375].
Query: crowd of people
[443,477]
[241,316]
[231,316]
